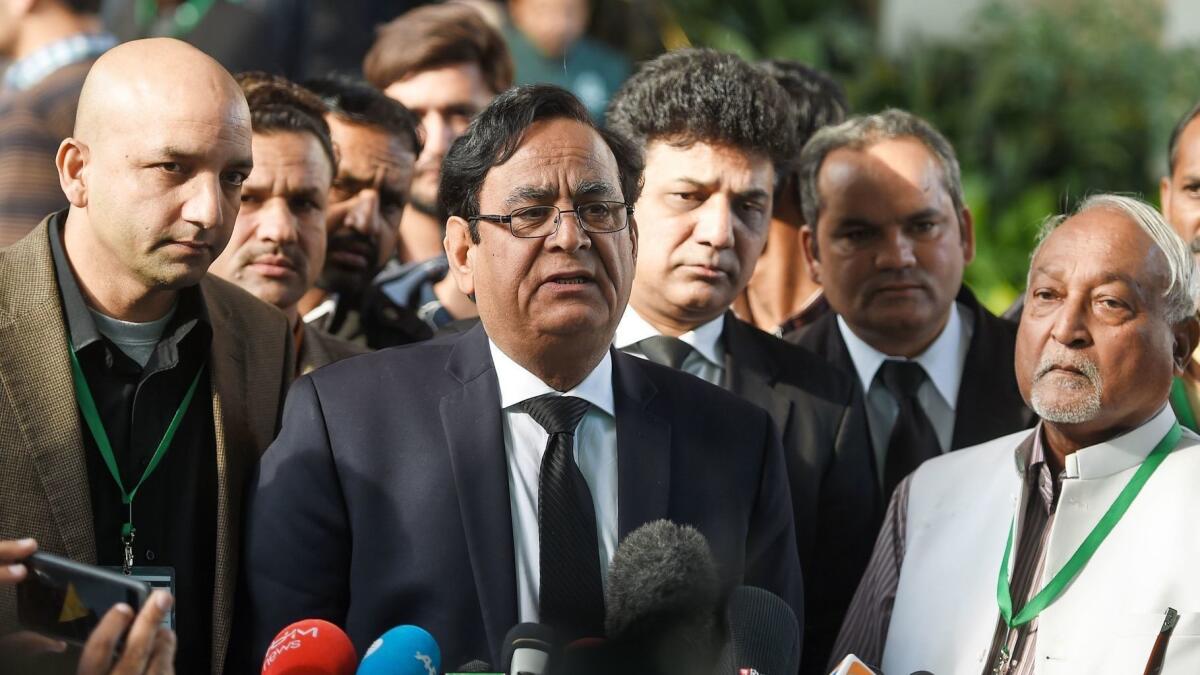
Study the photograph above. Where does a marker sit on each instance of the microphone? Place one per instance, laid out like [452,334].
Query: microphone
[403,650]
[663,601]
[764,635]
[476,666]
[527,649]
[310,647]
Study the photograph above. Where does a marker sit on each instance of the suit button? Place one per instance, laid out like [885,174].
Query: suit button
[150,555]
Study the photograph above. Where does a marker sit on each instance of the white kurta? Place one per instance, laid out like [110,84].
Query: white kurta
[959,511]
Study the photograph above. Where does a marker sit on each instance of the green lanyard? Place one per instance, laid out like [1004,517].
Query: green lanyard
[1081,556]
[87,405]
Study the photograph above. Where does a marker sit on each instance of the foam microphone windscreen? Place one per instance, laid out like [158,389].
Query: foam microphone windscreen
[310,647]
[527,649]
[403,650]
[764,635]
[663,599]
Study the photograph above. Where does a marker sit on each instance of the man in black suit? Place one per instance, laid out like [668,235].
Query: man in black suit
[704,214]
[888,237]
[405,485]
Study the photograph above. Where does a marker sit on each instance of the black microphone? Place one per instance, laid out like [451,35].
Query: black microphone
[663,601]
[764,635]
[528,648]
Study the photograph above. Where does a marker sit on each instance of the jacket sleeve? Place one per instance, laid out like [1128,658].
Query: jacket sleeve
[296,551]
[772,559]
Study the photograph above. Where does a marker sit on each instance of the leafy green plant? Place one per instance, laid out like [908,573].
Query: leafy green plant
[1046,101]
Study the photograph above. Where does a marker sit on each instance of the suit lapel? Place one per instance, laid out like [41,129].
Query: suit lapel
[36,376]
[750,374]
[478,460]
[989,404]
[228,378]
[643,447]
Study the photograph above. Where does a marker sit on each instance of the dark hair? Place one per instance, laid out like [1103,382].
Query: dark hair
[816,99]
[278,104]
[701,95]
[357,102]
[83,6]
[434,36]
[496,133]
[1173,144]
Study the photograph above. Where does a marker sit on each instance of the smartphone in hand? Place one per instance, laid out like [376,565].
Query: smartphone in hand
[65,599]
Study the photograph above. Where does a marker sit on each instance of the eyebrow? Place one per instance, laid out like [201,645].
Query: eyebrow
[176,153]
[929,213]
[525,194]
[594,188]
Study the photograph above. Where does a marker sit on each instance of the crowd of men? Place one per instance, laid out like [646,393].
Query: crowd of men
[423,348]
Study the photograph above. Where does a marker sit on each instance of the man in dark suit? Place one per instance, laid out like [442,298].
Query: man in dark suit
[109,324]
[704,216]
[888,236]
[384,502]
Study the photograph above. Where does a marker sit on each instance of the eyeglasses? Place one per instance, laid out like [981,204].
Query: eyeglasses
[537,222]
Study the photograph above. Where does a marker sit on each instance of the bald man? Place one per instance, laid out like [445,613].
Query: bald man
[136,390]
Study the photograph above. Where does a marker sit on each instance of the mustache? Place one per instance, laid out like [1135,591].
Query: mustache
[1063,358]
[291,251]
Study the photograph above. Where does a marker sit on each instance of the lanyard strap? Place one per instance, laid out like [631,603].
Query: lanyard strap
[1084,553]
[87,405]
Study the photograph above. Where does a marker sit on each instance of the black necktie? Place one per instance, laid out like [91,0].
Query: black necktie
[913,439]
[571,598]
[667,351]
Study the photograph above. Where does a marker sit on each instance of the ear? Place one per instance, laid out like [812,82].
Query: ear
[633,236]
[808,244]
[460,254]
[1186,334]
[72,160]
[968,235]
[1164,197]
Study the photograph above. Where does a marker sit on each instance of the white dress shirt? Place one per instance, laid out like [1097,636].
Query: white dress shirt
[524,444]
[707,360]
[943,363]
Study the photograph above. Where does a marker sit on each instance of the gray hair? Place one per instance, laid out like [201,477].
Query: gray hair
[1184,288]
[863,131]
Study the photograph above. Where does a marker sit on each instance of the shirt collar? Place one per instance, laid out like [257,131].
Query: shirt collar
[518,384]
[81,327]
[1121,453]
[32,69]
[705,338]
[942,360]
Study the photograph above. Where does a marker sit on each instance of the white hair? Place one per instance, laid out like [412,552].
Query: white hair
[1183,291]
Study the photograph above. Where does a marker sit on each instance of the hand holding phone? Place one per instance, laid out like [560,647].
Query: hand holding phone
[149,646]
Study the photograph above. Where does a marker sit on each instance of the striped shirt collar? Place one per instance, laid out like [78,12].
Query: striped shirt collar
[30,70]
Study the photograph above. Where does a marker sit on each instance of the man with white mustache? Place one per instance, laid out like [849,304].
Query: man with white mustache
[1072,548]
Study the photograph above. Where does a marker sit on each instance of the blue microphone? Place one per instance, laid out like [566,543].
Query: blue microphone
[403,650]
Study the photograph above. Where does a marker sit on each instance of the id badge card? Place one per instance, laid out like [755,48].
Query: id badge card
[155,578]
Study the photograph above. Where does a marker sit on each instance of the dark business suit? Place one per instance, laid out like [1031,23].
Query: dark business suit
[385,499]
[835,497]
[989,404]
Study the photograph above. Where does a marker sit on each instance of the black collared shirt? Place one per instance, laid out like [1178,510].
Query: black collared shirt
[174,511]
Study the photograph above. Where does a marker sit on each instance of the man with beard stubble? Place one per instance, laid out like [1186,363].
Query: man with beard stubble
[278,243]
[377,143]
